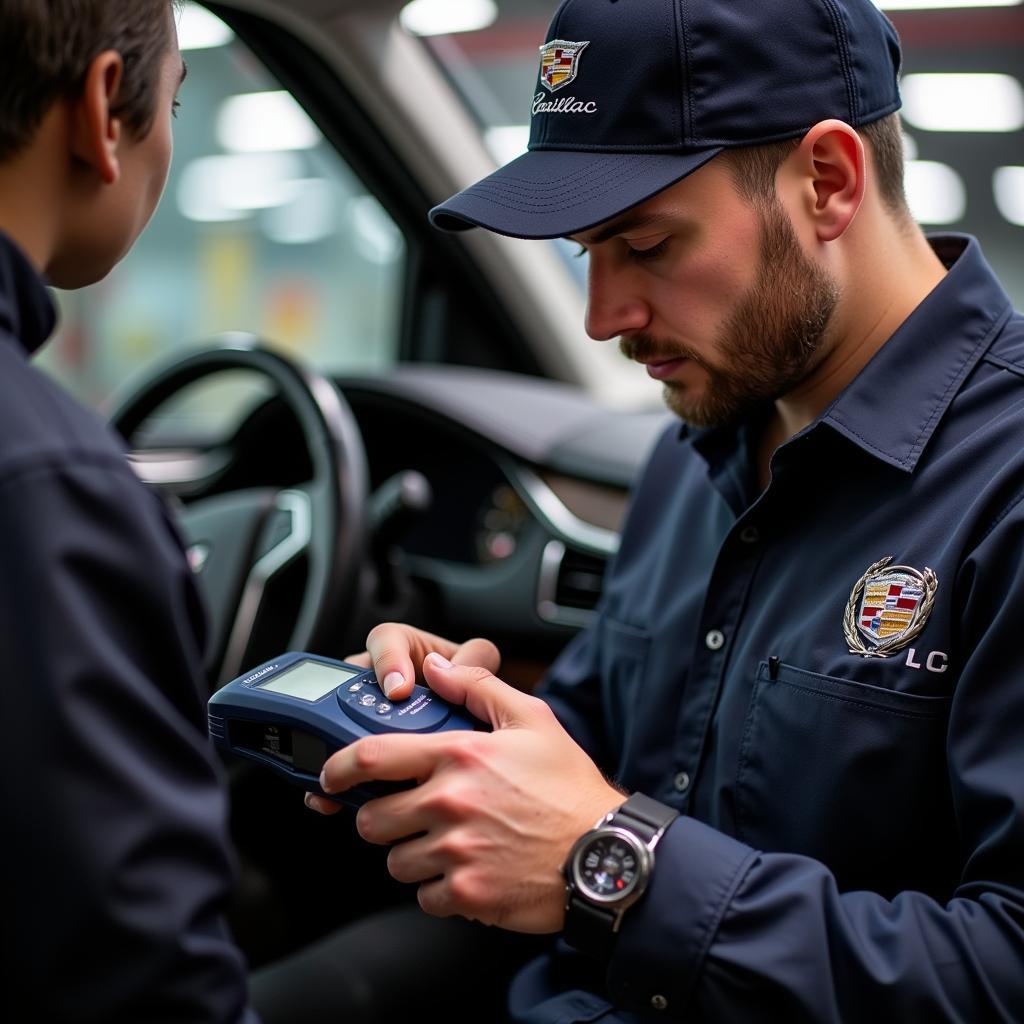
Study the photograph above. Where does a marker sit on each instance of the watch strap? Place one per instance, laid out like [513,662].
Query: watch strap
[646,817]
[589,928]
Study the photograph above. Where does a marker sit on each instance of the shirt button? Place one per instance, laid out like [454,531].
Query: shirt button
[714,640]
[750,535]
[682,782]
[659,1002]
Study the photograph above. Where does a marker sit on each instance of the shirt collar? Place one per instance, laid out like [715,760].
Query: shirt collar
[895,403]
[893,406]
[27,312]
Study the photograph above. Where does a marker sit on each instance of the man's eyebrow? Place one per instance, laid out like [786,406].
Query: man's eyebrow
[628,222]
[184,73]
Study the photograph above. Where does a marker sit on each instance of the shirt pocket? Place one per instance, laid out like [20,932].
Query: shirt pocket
[577,1008]
[850,774]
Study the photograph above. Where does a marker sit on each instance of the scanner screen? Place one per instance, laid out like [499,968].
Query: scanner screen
[308,680]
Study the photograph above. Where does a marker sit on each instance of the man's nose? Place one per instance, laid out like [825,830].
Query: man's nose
[614,307]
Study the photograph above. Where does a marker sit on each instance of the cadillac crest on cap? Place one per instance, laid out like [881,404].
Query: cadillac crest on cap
[559,60]
[659,87]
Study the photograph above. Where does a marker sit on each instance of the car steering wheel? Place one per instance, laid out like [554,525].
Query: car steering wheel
[239,541]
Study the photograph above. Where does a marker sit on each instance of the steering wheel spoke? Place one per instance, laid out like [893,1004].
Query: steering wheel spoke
[285,535]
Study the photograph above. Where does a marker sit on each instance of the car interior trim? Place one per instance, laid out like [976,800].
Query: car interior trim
[547,590]
[548,507]
[297,505]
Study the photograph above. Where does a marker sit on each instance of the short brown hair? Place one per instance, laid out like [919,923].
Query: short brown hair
[754,167]
[46,47]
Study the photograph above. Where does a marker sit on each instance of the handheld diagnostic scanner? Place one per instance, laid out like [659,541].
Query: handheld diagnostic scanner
[291,713]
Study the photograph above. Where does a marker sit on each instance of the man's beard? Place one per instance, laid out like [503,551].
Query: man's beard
[767,344]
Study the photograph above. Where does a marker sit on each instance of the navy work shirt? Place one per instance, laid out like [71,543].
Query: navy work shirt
[852,840]
[115,854]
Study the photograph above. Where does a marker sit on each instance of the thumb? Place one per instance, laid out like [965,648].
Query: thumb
[482,693]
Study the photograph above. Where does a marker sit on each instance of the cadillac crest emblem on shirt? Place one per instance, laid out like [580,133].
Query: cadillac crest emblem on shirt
[888,608]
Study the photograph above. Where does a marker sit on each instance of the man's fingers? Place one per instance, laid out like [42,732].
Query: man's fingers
[321,804]
[388,649]
[484,695]
[388,757]
[394,819]
[395,650]
[477,651]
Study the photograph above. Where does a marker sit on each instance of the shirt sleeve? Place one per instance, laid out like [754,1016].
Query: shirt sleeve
[116,849]
[727,932]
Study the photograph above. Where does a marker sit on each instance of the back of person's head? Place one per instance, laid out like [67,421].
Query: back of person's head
[46,47]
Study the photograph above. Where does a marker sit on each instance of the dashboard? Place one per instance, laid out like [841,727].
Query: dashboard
[529,484]
[496,499]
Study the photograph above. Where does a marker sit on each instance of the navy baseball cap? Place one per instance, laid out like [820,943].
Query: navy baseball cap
[633,95]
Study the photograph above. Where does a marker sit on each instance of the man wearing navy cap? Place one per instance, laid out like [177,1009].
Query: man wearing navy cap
[781,778]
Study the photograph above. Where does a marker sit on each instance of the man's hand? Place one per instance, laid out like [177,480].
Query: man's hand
[395,651]
[490,823]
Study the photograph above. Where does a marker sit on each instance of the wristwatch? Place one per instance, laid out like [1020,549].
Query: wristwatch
[608,870]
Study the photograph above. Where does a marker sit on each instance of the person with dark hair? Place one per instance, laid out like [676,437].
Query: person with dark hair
[781,776]
[116,857]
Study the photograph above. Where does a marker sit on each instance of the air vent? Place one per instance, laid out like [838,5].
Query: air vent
[570,584]
[579,580]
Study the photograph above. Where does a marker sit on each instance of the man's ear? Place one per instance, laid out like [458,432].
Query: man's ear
[831,162]
[95,131]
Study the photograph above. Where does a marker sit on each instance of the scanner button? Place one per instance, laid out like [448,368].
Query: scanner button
[422,711]
[355,687]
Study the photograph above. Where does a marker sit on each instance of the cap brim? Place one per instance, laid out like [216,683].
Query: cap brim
[555,193]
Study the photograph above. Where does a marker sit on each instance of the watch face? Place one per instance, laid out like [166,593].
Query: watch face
[608,867]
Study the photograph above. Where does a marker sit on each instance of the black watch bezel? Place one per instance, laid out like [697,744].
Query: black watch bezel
[634,888]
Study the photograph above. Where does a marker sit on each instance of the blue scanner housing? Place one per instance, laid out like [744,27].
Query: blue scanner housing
[292,712]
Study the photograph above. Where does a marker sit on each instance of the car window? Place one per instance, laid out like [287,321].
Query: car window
[961,79]
[263,228]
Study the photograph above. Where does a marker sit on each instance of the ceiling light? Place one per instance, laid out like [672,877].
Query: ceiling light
[260,121]
[916,5]
[963,102]
[935,192]
[1008,185]
[443,17]
[198,29]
